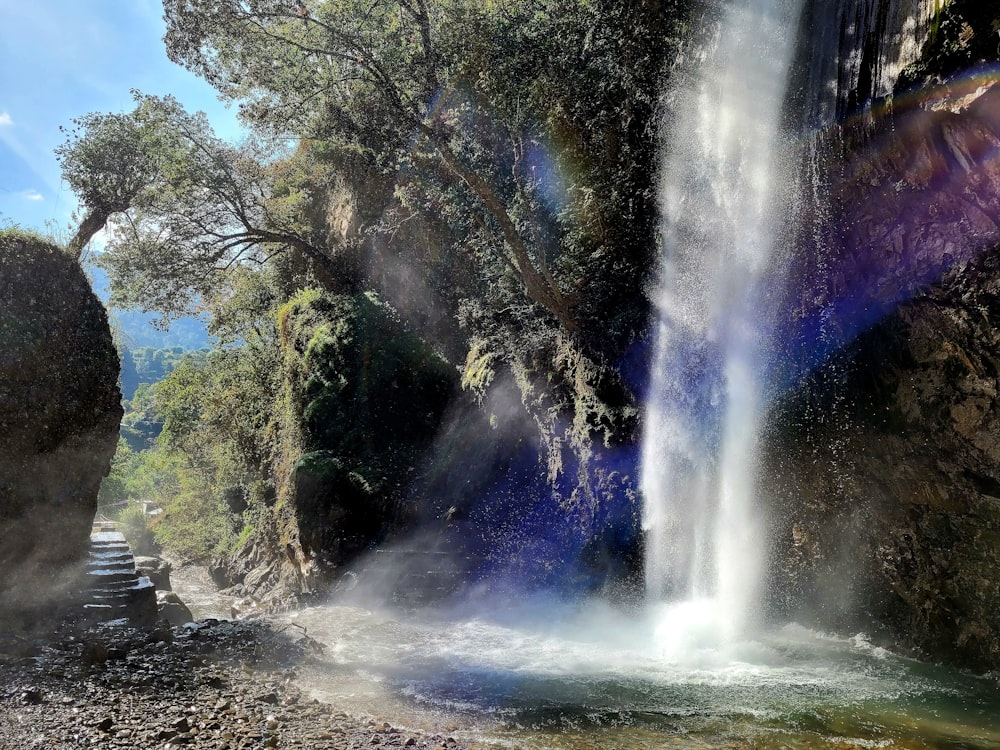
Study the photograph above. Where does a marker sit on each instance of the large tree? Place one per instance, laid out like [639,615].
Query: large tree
[385,77]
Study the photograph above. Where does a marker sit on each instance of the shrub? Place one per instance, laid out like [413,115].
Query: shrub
[135,527]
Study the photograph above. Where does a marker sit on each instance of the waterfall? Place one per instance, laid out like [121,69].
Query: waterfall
[723,193]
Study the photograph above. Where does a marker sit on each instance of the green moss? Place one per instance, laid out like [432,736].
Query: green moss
[478,372]
[366,396]
[320,464]
[15,239]
[245,533]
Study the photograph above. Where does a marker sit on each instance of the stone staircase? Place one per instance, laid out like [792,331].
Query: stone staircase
[111,588]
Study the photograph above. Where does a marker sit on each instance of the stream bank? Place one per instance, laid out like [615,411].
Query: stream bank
[210,685]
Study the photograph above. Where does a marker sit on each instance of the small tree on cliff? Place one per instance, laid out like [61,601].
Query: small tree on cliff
[184,204]
[112,163]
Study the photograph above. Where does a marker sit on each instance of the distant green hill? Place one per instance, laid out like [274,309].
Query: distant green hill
[147,364]
[136,330]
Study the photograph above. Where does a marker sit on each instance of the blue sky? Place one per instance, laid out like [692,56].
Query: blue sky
[63,58]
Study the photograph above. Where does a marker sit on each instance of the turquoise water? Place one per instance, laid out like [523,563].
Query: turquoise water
[557,677]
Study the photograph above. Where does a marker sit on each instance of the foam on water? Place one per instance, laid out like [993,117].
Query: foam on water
[584,646]
[584,669]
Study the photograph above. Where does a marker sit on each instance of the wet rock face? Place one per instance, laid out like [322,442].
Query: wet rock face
[917,200]
[59,412]
[852,51]
[884,472]
[882,466]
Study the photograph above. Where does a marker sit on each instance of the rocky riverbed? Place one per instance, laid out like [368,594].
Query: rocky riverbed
[212,684]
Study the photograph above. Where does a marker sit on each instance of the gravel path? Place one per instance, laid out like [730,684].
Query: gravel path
[214,685]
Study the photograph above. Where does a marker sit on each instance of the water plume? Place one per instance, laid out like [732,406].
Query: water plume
[722,201]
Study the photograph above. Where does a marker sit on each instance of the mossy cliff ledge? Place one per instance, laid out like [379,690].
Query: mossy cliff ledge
[60,409]
[363,398]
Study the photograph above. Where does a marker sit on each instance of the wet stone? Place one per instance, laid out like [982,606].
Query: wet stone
[161,698]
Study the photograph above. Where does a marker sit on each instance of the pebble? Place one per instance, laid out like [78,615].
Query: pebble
[220,686]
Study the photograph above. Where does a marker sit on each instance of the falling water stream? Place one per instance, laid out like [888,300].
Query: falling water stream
[723,208]
[691,669]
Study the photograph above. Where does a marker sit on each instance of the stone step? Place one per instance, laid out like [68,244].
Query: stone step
[109,576]
[111,586]
[119,564]
[111,563]
[116,600]
[110,549]
[104,539]
[111,555]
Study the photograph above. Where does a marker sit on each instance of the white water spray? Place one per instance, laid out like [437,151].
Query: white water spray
[722,206]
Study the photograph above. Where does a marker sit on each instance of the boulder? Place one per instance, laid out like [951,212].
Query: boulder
[156,570]
[60,408]
[172,609]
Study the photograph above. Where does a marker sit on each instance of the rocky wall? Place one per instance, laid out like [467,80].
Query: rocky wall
[885,479]
[59,413]
[882,464]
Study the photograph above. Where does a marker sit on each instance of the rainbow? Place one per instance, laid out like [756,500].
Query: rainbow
[916,200]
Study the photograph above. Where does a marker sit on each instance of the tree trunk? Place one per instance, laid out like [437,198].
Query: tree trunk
[540,288]
[93,222]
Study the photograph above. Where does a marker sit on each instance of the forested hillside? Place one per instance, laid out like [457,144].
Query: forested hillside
[441,226]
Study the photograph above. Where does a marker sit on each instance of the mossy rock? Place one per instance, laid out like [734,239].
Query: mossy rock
[963,36]
[338,511]
[60,408]
[369,397]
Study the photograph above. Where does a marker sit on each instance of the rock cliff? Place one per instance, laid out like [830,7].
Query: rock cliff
[885,478]
[363,398]
[882,468]
[59,413]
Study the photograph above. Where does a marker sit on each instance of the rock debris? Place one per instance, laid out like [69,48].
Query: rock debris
[212,684]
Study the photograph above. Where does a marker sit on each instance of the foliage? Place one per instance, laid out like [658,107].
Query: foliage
[526,130]
[112,162]
[114,487]
[382,78]
[196,522]
[13,237]
[141,423]
[363,381]
[498,158]
[184,205]
[200,434]
[143,419]
[154,364]
[134,526]
[367,396]
[523,135]
[217,411]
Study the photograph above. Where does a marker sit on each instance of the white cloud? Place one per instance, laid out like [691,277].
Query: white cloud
[32,195]
[5,119]
[34,158]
